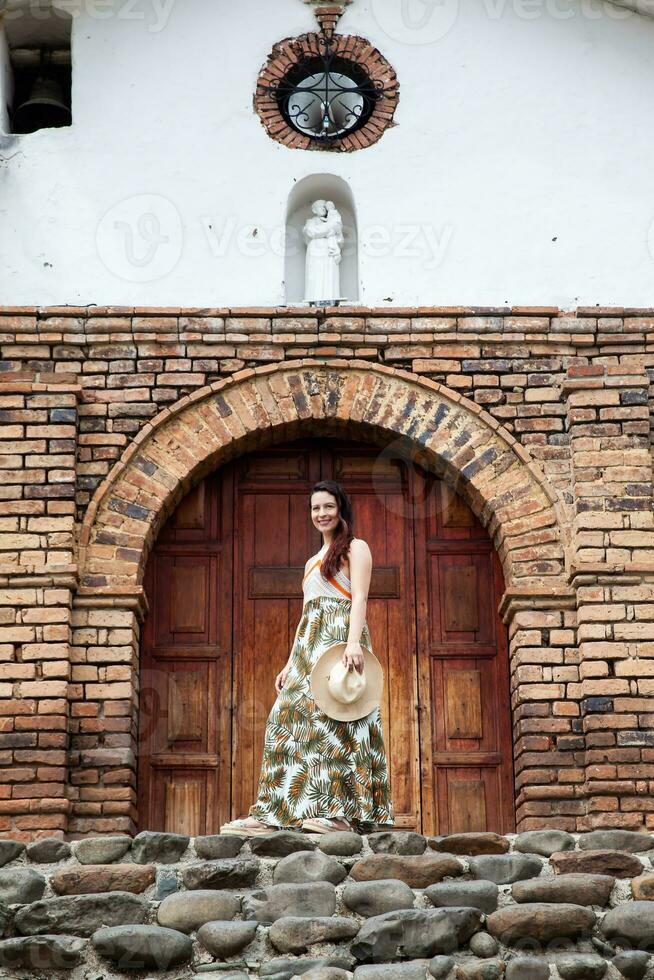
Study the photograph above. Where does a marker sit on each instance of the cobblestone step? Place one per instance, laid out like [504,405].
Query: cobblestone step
[326,907]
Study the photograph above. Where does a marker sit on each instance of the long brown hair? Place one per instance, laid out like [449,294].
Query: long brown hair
[344,533]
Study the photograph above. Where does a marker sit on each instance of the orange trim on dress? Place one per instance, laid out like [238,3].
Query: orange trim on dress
[333,581]
[319,562]
[340,587]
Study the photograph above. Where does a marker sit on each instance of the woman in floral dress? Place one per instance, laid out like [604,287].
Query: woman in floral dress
[319,774]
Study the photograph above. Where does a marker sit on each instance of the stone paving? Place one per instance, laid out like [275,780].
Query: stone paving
[389,906]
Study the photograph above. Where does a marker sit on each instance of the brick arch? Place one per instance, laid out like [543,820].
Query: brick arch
[443,431]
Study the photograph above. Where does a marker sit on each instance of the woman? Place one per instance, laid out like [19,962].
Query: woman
[319,774]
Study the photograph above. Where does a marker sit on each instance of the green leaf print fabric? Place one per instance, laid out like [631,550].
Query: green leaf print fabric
[314,766]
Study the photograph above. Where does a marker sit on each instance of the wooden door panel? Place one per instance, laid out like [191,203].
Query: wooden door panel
[178,698]
[269,635]
[186,796]
[450,518]
[192,514]
[469,799]
[460,586]
[466,801]
[279,465]
[466,748]
[276,582]
[463,712]
[184,585]
[273,582]
[189,597]
[197,518]
[353,464]
[190,689]
[460,599]
[186,667]
[185,800]
[463,719]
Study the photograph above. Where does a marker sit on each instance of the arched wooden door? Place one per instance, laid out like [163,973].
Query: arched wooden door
[224,587]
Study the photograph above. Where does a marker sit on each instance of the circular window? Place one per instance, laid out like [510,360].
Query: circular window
[326,101]
[326,92]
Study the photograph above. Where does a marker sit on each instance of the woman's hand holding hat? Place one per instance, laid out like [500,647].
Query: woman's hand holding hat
[353,657]
[344,693]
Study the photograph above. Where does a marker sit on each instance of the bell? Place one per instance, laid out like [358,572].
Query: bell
[45,107]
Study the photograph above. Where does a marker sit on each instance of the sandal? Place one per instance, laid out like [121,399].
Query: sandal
[242,829]
[323,825]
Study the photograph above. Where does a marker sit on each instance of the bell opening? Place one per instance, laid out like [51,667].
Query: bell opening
[41,94]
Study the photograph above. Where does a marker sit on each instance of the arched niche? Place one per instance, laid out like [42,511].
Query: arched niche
[304,193]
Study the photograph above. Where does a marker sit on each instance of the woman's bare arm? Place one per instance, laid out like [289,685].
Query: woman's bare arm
[279,679]
[360,573]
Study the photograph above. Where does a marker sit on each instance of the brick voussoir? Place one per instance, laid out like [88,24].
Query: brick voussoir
[188,455]
[159,453]
[299,395]
[266,402]
[381,403]
[252,399]
[149,492]
[198,423]
[503,534]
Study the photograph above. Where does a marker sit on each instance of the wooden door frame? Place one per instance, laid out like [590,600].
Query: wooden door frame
[409,568]
[505,723]
[231,682]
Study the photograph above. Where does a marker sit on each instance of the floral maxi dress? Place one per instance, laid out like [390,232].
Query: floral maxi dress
[314,766]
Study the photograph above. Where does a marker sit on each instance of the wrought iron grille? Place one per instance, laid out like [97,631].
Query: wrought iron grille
[325,95]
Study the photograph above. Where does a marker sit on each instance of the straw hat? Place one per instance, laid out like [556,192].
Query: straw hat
[346,695]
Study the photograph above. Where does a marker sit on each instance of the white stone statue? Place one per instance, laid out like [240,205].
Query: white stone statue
[323,234]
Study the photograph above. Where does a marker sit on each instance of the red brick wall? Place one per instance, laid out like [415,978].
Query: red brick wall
[571,391]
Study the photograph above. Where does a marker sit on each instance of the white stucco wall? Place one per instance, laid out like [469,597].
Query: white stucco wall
[520,169]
